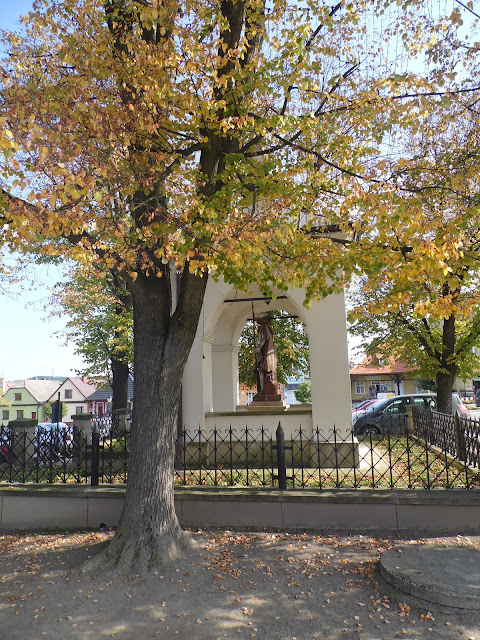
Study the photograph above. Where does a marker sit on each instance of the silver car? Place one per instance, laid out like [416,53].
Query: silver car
[390,414]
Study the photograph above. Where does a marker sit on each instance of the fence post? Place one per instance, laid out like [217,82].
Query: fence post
[281,463]
[429,434]
[410,419]
[84,423]
[95,456]
[460,438]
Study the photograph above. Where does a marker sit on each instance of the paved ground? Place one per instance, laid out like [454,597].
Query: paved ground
[269,586]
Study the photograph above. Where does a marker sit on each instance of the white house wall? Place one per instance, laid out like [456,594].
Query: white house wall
[77,399]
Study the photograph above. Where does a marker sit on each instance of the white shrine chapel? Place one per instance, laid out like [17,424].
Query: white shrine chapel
[210,382]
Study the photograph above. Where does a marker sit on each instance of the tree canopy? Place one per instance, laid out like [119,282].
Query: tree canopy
[304,392]
[246,115]
[419,253]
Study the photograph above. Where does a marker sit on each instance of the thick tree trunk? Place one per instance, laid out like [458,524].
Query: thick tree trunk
[149,534]
[445,382]
[445,378]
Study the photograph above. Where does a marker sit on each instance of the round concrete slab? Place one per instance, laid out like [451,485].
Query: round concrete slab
[440,574]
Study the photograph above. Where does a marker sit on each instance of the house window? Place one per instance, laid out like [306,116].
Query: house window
[5,414]
[20,413]
[250,395]
[68,394]
[78,409]
[360,388]
[18,397]
[34,415]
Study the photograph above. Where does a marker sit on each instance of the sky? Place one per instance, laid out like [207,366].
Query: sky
[29,346]
[12,10]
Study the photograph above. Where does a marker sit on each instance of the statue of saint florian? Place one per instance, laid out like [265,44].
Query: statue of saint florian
[266,363]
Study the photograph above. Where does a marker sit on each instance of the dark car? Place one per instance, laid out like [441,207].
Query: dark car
[53,440]
[363,406]
[390,414]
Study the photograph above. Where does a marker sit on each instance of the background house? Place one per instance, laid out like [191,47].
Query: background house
[73,394]
[245,394]
[100,401]
[292,386]
[27,399]
[377,375]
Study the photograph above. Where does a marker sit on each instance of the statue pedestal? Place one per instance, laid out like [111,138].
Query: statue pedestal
[273,394]
[268,405]
[270,397]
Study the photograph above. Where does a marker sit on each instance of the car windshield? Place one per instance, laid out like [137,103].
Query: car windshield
[377,404]
[363,404]
[45,427]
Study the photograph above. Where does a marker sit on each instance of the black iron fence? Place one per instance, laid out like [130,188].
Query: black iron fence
[325,460]
[107,424]
[440,451]
[63,455]
[457,437]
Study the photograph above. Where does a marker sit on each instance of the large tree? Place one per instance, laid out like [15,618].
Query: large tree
[397,320]
[421,250]
[189,136]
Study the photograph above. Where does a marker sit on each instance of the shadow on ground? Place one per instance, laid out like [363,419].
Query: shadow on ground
[269,586]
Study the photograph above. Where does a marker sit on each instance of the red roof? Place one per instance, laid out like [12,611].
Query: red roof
[371,366]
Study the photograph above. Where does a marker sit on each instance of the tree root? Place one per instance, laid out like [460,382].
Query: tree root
[137,554]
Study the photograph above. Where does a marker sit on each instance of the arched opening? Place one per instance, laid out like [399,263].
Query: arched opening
[293,360]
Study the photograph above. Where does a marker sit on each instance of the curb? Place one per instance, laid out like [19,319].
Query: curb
[438,574]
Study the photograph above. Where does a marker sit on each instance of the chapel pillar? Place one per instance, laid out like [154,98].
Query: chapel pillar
[225,376]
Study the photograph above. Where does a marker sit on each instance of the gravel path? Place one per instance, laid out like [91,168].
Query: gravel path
[269,586]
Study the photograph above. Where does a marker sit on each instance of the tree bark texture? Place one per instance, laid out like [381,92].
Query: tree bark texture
[149,534]
[445,377]
[120,359]
[120,373]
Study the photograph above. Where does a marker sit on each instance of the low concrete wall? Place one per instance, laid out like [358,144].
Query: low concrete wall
[33,507]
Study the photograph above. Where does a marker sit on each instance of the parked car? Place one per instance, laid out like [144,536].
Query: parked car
[52,441]
[362,407]
[5,450]
[477,398]
[390,415]
[46,427]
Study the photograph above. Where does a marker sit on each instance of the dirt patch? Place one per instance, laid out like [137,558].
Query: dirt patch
[269,586]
